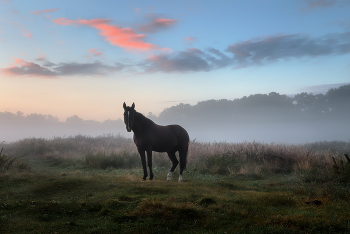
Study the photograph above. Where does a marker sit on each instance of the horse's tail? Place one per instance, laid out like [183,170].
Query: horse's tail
[183,161]
[185,157]
[184,141]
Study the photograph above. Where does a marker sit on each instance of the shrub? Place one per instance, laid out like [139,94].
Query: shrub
[5,161]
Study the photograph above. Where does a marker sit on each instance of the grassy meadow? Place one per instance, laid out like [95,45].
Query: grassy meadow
[86,184]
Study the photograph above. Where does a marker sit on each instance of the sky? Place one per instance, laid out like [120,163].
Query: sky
[87,57]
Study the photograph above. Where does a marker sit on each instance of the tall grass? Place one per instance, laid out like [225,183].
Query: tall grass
[221,158]
[254,157]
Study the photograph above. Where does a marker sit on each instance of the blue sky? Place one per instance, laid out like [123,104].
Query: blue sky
[88,57]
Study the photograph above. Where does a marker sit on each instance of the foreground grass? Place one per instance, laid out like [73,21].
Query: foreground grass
[57,200]
[93,185]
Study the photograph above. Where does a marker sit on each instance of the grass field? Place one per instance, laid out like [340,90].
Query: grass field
[64,186]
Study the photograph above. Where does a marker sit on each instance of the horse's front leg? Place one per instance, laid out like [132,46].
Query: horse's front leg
[143,160]
[149,160]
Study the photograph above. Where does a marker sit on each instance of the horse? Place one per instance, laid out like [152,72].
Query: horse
[149,136]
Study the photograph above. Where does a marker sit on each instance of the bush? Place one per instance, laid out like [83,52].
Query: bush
[5,161]
[8,162]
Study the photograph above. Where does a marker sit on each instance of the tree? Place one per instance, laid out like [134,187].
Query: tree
[338,100]
[74,119]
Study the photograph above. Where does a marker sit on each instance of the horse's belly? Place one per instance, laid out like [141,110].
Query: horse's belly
[165,144]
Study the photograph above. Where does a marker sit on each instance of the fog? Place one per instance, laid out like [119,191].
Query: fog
[274,133]
[290,133]
[261,117]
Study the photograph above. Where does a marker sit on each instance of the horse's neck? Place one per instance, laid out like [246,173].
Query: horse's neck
[141,123]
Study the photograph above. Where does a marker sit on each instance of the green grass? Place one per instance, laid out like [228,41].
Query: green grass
[117,201]
[87,185]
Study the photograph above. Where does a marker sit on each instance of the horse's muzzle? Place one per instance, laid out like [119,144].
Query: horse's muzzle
[128,129]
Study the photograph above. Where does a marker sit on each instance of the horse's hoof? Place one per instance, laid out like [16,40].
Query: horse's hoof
[143,179]
[169,176]
[180,178]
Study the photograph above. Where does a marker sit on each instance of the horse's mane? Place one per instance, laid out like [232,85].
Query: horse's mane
[143,119]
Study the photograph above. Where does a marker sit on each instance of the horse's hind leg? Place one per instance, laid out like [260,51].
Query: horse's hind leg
[183,162]
[174,162]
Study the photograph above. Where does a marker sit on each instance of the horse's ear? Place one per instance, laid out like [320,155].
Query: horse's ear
[133,106]
[124,105]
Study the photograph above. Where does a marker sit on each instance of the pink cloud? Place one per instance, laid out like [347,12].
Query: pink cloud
[138,9]
[95,53]
[115,35]
[44,11]
[63,21]
[24,68]
[320,3]
[41,58]
[157,24]
[26,33]
[310,5]
[190,40]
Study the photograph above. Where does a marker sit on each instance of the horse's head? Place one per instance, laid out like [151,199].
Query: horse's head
[129,114]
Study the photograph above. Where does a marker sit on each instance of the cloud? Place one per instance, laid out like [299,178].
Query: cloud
[260,51]
[309,5]
[190,40]
[41,58]
[253,52]
[341,23]
[190,60]
[95,53]
[23,68]
[22,28]
[115,35]
[51,70]
[44,11]
[319,3]
[87,69]
[157,24]
[26,33]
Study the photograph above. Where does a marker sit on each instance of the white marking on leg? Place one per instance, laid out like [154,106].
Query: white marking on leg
[180,178]
[170,174]
[128,120]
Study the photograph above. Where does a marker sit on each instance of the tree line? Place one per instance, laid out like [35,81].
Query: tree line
[334,104]
[37,118]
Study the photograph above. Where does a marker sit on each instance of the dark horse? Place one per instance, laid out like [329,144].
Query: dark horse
[149,137]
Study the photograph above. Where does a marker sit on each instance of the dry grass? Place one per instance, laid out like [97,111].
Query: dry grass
[255,158]
[251,158]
